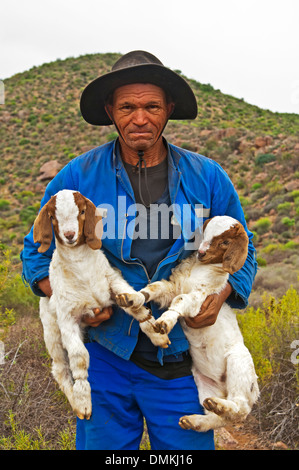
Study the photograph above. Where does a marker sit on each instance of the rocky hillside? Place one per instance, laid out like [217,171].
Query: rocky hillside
[42,129]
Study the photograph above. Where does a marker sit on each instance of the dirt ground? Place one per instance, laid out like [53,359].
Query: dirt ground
[243,437]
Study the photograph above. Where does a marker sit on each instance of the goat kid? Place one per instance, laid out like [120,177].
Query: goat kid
[81,280]
[223,368]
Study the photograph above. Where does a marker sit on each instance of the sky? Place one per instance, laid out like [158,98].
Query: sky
[245,48]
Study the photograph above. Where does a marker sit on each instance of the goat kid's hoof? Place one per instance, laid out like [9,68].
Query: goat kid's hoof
[211,404]
[85,415]
[130,300]
[161,327]
[196,423]
[185,423]
[146,295]
[123,300]
[163,342]
[147,315]
[81,402]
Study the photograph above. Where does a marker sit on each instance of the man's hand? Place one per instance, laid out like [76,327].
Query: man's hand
[209,310]
[100,316]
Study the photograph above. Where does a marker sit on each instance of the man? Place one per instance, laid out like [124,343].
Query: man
[130,378]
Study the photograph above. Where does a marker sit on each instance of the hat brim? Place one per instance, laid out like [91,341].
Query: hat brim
[92,103]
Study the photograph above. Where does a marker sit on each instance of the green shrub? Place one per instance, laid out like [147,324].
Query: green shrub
[112,136]
[245,201]
[284,207]
[19,439]
[275,187]
[28,214]
[271,334]
[269,331]
[261,261]
[288,222]
[25,193]
[24,141]
[291,245]
[13,293]
[264,158]
[4,204]
[47,117]
[262,225]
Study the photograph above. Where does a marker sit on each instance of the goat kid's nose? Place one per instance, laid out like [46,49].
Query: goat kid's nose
[200,254]
[69,235]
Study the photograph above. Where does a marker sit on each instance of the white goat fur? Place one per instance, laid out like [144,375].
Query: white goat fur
[222,366]
[81,280]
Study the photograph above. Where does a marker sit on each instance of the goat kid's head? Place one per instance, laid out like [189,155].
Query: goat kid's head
[224,241]
[74,221]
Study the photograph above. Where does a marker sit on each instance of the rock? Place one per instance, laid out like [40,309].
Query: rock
[292,185]
[280,446]
[224,438]
[263,141]
[224,133]
[205,133]
[48,170]
[242,145]
[22,114]
[5,116]
[260,177]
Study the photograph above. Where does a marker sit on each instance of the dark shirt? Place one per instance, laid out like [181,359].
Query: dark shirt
[150,249]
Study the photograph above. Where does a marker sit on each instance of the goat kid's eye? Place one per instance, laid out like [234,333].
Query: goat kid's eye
[225,242]
[82,212]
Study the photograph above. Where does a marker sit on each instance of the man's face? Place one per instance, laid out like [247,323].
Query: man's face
[140,112]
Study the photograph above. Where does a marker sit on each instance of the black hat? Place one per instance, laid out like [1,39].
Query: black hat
[137,67]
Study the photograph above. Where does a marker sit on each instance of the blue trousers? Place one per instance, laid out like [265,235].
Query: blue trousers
[123,393]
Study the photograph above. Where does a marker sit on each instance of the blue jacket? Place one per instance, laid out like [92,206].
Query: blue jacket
[194,181]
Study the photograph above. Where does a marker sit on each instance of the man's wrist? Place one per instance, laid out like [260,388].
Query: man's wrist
[226,292]
[45,287]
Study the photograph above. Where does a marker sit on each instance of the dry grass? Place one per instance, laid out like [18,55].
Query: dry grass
[33,412]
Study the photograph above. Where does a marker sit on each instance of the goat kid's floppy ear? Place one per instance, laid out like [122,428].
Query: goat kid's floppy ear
[236,253]
[205,224]
[42,229]
[93,226]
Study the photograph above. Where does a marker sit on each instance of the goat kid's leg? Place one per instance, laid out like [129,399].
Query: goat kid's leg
[242,387]
[130,303]
[52,336]
[79,362]
[183,305]
[162,292]
[201,423]
[127,297]
[157,339]
[133,304]
[209,420]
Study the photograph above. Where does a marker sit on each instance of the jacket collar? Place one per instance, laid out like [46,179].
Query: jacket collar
[174,174]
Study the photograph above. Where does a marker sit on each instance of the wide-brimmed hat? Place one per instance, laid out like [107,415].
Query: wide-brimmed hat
[137,67]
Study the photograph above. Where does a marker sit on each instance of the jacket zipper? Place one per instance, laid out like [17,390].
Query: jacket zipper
[133,262]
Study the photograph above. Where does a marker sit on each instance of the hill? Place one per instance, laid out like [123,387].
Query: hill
[41,122]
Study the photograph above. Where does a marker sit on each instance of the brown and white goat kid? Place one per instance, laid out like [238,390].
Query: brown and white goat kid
[81,280]
[222,366]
